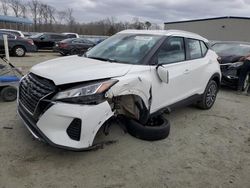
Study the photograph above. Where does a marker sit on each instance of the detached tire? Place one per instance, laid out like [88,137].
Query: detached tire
[157,129]
[9,93]
[209,96]
[19,51]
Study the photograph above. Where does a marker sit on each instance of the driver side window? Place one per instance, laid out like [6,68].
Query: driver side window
[171,51]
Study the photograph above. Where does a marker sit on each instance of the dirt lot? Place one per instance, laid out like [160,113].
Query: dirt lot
[204,149]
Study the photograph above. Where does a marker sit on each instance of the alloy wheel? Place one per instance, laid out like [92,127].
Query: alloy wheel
[211,95]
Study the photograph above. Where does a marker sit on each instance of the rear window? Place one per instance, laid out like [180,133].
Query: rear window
[71,36]
[57,37]
[203,48]
[194,49]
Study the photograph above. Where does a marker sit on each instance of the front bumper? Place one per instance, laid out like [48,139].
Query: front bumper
[52,125]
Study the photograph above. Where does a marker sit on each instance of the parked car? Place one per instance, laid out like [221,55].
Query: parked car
[71,35]
[17,46]
[73,46]
[14,32]
[230,53]
[135,74]
[47,40]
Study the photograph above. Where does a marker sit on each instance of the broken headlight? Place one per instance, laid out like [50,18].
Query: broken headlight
[91,93]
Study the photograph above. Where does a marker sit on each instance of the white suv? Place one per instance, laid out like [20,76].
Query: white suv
[135,73]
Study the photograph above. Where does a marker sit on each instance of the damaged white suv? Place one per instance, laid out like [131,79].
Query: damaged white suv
[135,73]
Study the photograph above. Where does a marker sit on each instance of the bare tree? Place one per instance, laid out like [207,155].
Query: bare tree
[24,10]
[34,10]
[148,24]
[16,7]
[70,19]
[4,7]
[61,17]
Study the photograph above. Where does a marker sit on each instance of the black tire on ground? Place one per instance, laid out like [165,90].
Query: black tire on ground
[158,128]
[19,51]
[8,93]
[209,96]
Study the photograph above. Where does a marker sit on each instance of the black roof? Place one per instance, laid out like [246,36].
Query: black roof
[206,19]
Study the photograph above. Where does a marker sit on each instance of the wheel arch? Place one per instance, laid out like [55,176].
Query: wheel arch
[217,78]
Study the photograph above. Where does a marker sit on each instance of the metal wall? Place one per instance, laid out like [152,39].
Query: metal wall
[226,29]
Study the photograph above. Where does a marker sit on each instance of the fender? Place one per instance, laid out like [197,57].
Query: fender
[133,86]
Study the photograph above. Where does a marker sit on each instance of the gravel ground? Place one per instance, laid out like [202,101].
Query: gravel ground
[205,149]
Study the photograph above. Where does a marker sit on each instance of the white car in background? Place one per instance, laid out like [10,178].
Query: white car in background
[71,35]
[135,74]
[14,32]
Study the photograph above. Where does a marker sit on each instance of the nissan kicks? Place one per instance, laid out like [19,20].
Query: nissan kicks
[135,74]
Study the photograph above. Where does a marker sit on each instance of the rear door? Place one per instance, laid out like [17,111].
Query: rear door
[197,63]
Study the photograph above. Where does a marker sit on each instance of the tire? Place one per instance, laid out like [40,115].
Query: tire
[157,129]
[19,51]
[9,93]
[75,52]
[209,96]
[246,82]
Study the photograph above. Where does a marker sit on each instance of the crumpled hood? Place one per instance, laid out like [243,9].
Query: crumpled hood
[78,69]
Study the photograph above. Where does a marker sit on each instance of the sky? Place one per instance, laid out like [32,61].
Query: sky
[155,11]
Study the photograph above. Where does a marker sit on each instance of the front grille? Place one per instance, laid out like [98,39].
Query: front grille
[33,88]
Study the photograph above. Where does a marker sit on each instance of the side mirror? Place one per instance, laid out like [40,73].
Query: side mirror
[163,74]
[42,38]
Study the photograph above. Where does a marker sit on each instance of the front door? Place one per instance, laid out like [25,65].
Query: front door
[171,56]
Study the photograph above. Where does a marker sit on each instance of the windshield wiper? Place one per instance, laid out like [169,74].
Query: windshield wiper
[102,59]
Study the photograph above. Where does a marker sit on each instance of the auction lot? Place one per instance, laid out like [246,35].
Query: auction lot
[205,149]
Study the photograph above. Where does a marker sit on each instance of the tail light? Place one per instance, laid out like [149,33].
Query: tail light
[30,41]
[63,45]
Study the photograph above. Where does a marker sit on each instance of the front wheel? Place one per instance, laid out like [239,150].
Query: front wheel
[209,96]
[19,51]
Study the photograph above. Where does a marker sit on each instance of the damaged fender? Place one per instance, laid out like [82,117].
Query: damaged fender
[139,88]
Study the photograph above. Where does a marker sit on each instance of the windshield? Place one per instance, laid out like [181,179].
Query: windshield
[231,49]
[124,48]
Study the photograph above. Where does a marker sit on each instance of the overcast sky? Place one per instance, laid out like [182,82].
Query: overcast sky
[157,11]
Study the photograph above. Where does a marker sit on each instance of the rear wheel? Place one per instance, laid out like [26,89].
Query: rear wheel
[209,96]
[9,93]
[19,51]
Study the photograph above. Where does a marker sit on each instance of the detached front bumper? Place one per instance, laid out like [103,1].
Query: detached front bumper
[62,123]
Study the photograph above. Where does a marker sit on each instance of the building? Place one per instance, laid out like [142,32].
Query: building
[11,22]
[220,28]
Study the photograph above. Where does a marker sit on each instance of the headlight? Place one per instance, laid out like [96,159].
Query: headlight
[86,92]
[236,64]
